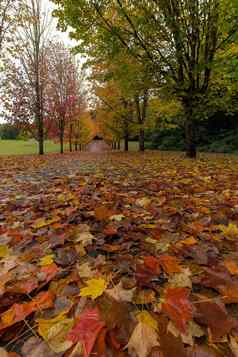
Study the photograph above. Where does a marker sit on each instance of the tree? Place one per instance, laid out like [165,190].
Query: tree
[62,91]
[178,39]
[10,11]
[31,41]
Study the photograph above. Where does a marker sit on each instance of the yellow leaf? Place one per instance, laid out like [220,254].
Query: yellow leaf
[230,231]
[54,332]
[41,223]
[95,288]
[147,319]
[4,251]
[47,260]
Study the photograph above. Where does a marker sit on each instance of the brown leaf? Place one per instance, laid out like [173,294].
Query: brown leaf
[142,340]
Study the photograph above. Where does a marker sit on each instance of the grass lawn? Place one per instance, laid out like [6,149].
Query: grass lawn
[20,147]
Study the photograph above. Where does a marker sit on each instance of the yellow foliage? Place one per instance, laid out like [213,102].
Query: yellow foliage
[95,288]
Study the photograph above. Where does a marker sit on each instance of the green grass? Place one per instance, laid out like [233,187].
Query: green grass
[30,147]
[21,147]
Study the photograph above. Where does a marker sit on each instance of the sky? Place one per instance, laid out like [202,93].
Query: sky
[62,35]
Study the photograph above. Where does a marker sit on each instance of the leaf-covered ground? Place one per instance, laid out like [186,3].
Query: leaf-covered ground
[119,255]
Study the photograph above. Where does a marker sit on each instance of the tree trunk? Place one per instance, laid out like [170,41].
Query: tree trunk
[76,146]
[142,139]
[61,142]
[126,138]
[119,145]
[40,135]
[70,138]
[191,149]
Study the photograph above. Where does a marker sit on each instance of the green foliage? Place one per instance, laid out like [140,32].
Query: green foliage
[9,132]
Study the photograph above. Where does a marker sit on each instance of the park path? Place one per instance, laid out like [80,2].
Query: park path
[97,146]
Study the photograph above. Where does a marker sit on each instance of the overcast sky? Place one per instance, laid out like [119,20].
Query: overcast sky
[62,35]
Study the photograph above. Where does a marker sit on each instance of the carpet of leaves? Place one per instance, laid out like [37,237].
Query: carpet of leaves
[119,255]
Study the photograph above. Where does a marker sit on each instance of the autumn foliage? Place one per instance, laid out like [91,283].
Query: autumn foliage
[96,262]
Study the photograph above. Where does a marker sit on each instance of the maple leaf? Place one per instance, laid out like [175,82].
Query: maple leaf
[47,260]
[34,347]
[142,340]
[87,329]
[231,266]
[193,330]
[181,280]
[170,264]
[178,307]
[143,202]
[152,263]
[117,217]
[85,270]
[48,272]
[234,346]
[147,319]
[54,332]
[95,288]
[120,294]
[85,237]
[102,213]
[3,352]
[41,222]
[230,231]
[4,251]
[214,315]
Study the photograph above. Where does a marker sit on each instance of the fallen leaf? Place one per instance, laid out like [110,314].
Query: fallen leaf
[153,264]
[181,280]
[47,260]
[120,294]
[4,251]
[234,346]
[95,288]
[87,329]
[146,318]
[35,347]
[178,307]
[85,270]
[231,266]
[143,202]
[142,340]
[214,315]
[194,330]
[54,332]
[230,231]
[117,217]
[3,353]
[170,264]
[86,238]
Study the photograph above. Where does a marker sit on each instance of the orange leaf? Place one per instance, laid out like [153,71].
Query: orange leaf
[102,213]
[170,264]
[231,266]
[178,307]
[153,264]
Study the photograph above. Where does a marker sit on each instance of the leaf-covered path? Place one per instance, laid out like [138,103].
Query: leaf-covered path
[119,255]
